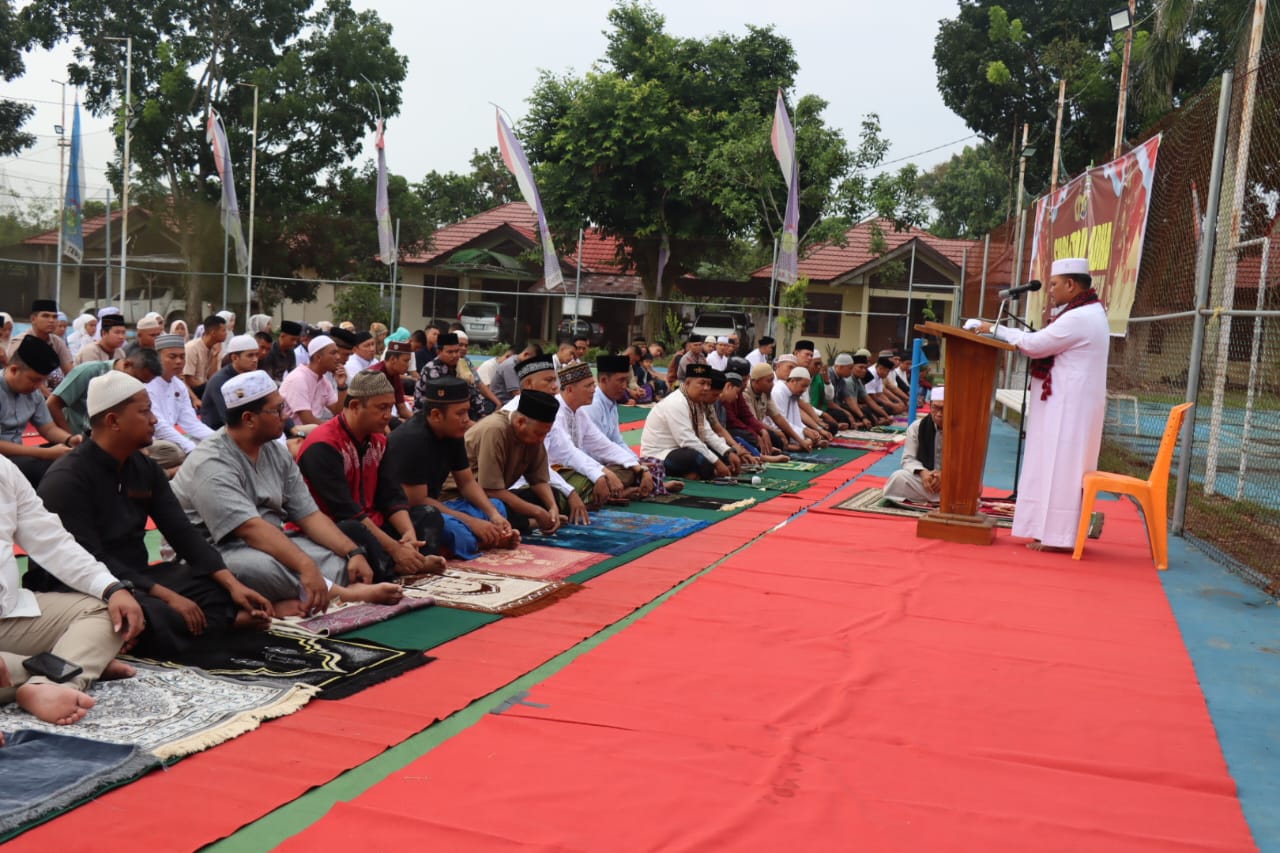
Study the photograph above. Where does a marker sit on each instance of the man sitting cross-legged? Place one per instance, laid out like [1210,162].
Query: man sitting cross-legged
[342,462]
[747,432]
[86,627]
[613,375]
[314,392]
[790,395]
[429,447]
[598,469]
[920,477]
[507,447]
[241,487]
[105,490]
[678,433]
[176,419]
[758,392]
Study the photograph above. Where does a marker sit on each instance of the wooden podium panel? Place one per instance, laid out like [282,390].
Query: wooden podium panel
[971,362]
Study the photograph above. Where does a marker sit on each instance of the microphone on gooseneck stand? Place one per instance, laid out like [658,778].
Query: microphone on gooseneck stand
[1014,292]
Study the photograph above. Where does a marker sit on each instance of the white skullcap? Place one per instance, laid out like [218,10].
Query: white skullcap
[786,358]
[864,352]
[709,339]
[799,373]
[1070,266]
[936,394]
[150,321]
[324,326]
[111,389]
[843,360]
[243,388]
[242,343]
[723,339]
[108,311]
[318,343]
[462,336]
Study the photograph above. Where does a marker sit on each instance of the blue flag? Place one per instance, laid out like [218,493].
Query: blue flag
[73,205]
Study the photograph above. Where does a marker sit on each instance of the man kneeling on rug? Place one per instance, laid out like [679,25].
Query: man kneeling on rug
[426,450]
[86,627]
[679,433]
[507,447]
[241,487]
[920,477]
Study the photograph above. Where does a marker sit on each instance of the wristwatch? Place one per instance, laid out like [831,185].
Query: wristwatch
[113,588]
[358,551]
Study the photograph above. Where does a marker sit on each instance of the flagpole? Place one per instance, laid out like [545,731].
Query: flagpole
[395,261]
[226,249]
[62,192]
[773,285]
[106,254]
[253,185]
[128,135]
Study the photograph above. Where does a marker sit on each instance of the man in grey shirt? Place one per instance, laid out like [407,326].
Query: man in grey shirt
[241,487]
[506,384]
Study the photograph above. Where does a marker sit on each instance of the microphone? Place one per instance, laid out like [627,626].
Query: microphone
[1015,292]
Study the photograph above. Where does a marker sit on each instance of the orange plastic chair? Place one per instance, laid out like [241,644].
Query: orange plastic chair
[1152,493]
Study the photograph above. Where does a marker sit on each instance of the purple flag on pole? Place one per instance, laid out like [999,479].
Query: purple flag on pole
[73,204]
[518,164]
[217,138]
[784,148]
[382,207]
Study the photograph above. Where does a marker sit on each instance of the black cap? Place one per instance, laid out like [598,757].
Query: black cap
[534,364]
[39,306]
[804,345]
[447,339]
[343,338]
[447,390]
[613,364]
[733,378]
[737,365]
[885,361]
[360,337]
[699,371]
[766,340]
[859,359]
[37,355]
[538,405]
[718,380]
[110,322]
[290,327]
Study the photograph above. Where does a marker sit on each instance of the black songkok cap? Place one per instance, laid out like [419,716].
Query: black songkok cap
[885,361]
[343,338]
[699,371]
[360,337]
[859,359]
[613,364]
[718,380]
[110,322]
[534,364]
[804,345]
[39,306]
[447,390]
[538,405]
[766,340]
[37,355]
[447,339]
[289,327]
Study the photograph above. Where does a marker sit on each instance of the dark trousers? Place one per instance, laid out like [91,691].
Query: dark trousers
[427,522]
[685,461]
[33,469]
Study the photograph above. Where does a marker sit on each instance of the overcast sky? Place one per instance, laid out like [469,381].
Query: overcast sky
[865,57]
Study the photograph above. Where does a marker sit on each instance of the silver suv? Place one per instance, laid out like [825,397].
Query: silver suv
[484,322]
[727,323]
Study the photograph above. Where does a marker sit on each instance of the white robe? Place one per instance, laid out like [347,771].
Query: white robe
[1064,432]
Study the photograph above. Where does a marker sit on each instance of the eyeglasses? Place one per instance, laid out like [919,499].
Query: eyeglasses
[277,411]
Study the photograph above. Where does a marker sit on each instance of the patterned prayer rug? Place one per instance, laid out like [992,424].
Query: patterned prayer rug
[873,500]
[488,592]
[537,560]
[792,466]
[815,458]
[876,435]
[772,484]
[863,444]
[285,655]
[651,526]
[693,501]
[602,542]
[45,773]
[348,616]
[173,711]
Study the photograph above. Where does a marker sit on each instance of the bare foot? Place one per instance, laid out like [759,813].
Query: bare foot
[675,487]
[117,669]
[510,542]
[289,607]
[246,621]
[1053,549]
[776,457]
[371,593]
[436,564]
[54,703]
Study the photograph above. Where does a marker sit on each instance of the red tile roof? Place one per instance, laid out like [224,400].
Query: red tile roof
[92,226]
[829,261]
[599,253]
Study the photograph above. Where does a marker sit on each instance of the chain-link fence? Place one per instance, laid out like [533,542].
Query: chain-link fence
[1230,492]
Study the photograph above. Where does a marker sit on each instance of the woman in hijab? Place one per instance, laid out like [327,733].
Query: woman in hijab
[179,327]
[103,312]
[83,328]
[6,332]
[259,323]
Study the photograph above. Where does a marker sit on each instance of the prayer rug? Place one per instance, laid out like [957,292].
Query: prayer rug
[536,561]
[652,526]
[816,458]
[348,616]
[875,435]
[488,592]
[792,466]
[873,500]
[45,773]
[864,444]
[173,711]
[773,484]
[581,537]
[693,501]
[285,655]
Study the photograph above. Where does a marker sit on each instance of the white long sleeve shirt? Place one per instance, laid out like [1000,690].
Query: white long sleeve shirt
[171,404]
[670,426]
[25,521]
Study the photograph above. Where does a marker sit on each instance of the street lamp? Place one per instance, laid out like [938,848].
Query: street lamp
[1122,19]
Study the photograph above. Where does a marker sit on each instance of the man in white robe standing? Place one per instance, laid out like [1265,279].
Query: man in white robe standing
[1068,402]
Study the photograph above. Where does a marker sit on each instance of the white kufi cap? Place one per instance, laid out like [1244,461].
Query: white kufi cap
[723,339]
[318,343]
[242,343]
[1070,266]
[935,394]
[799,373]
[111,389]
[243,388]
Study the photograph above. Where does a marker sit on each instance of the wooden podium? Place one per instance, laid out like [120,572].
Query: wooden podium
[971,362]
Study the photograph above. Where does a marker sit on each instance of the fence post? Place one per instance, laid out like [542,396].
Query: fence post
[1204,273]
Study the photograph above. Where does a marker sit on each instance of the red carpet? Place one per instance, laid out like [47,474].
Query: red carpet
[842,685]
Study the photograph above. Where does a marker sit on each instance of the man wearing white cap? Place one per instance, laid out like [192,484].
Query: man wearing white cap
[310,398]
[1068,403]
[176,419]
[920,477]
[242,487]
[150,327]
[243,350]
[719,360]
[791,396]
[105,490]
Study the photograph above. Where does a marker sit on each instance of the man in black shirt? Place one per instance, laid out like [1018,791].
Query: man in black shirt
[104,491]
[283,356]
[429,447]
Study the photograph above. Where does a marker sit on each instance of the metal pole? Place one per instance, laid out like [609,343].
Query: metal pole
[62,193]
[106,255]
[1204,273]
[395,260]
[1254,352]
[128,137]
[1124,80]
[773,288]
[917,358]
[226,259]
[253,188]
[982,294]
[911,280]
[1057,134]
[957,306]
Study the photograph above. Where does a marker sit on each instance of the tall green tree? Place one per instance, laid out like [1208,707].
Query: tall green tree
[969,193]
[450,197]
[308,60]
[13,114]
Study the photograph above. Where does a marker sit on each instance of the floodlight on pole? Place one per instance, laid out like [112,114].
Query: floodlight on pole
[1122,19]
[60,130]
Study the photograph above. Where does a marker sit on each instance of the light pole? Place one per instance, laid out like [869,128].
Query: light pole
[1122,19]
[253,187]
[61,131]
[128,136]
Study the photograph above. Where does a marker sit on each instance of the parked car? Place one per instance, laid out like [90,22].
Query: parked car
[727,323]
[484,322]
[568,330]
[141,301]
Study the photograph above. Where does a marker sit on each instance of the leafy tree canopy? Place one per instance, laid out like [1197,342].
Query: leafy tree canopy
[13,114]
[452,197]
[969,193]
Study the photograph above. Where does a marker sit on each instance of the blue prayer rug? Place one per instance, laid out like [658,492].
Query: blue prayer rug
[616,532]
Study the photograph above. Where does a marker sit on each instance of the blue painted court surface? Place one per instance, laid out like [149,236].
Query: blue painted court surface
[1231,629]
